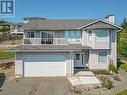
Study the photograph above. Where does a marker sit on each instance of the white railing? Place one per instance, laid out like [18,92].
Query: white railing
[38,41]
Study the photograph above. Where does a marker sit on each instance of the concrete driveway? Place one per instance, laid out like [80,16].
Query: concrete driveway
[36,86]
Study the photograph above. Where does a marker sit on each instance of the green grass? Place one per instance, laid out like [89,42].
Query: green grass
[123,67]
[4,30]
[122,93]
[6,55]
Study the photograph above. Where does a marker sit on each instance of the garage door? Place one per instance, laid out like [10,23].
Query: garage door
[44,65]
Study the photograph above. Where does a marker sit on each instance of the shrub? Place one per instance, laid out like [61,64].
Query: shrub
[106,82]
[119,62]
[123,67]
[112,69]
[7,37]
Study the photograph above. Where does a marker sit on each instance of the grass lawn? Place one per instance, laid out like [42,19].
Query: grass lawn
[6,55]
[122,93]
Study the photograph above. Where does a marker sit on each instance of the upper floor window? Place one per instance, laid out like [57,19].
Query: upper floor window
[102,56]
[30,35]
[72,35]
[102,36]
[90,35]
[47,35]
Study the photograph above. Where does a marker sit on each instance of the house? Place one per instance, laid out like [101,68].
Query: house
[5,26]
[16,29]
[58,47]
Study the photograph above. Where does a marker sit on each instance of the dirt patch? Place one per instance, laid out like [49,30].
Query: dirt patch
[8,70]
[7,65]
[101,72]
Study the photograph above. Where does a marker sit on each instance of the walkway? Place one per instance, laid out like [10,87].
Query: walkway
[84,78]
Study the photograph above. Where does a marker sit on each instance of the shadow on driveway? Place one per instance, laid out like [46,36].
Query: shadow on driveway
[2,79]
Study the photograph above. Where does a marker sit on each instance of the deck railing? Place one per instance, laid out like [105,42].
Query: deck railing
[38,41]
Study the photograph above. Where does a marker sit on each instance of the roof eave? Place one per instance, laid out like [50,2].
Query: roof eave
[118,27]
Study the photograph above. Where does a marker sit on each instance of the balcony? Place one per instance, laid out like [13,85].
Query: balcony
[39,41]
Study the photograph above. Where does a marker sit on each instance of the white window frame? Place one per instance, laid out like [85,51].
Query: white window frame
[106,57]
[90,36]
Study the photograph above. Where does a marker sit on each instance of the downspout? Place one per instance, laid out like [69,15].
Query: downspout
[71,63]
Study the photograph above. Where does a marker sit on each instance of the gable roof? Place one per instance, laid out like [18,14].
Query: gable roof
[104,21]
[56,24]
[63,24]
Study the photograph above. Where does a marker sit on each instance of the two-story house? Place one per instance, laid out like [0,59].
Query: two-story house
[57,47]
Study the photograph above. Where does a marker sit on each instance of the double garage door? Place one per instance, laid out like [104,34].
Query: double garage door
[44,65]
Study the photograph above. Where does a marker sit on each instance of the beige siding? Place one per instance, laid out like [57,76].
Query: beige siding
[59,34]
[102,45]
[113,48]
[93,60]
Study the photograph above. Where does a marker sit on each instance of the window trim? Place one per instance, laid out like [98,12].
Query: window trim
[106,57]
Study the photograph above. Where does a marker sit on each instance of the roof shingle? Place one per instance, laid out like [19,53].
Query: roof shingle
[56,24]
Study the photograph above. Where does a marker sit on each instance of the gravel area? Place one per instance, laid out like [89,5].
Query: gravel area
[36,86]
[51,86]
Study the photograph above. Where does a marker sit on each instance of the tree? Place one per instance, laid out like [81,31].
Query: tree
[122,40]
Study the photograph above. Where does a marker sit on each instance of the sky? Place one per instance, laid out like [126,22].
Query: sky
[70,9]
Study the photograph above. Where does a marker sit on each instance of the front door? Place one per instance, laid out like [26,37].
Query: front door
[78,60]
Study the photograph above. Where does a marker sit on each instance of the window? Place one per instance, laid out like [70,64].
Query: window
[90,35]
[47,37]
[101,36]
[102,56]
[72,35]
[77,57]
[90,32]
[30,35]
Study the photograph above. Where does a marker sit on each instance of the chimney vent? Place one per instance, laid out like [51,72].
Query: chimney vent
[110,18]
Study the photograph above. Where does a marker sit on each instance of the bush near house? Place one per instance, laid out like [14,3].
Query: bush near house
[6,55]
[112,69]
